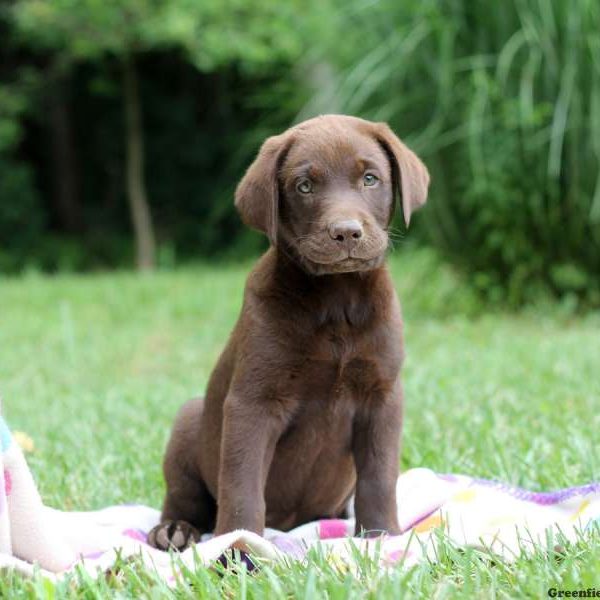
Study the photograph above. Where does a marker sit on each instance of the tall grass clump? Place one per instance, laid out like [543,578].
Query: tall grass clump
[502,100]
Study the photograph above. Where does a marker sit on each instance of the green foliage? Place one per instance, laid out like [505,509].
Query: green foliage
[202,68]
[21,211]
[503,102]
[532,157]
[213,33]
[21,221]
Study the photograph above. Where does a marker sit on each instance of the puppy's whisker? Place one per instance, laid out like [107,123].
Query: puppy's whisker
[396,231]
[307,236]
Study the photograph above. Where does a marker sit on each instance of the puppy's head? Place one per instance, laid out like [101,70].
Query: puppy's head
[325,189]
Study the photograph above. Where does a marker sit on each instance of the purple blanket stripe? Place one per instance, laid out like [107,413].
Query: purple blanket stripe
[542,498]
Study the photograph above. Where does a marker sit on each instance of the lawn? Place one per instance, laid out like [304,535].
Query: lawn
[94,367]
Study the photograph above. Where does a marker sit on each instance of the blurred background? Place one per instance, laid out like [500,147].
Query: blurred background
[125,126]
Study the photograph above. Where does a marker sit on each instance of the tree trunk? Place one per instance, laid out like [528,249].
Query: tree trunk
[145,243]
[66,182]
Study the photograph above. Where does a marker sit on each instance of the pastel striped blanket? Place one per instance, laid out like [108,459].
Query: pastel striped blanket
[469,512]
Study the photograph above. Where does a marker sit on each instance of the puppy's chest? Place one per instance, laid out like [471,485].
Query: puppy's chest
[333,367]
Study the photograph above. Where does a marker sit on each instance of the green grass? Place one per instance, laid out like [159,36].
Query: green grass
[94,368]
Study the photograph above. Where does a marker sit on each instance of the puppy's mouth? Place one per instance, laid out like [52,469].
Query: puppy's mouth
[322,265]
[351,265]
[319,254]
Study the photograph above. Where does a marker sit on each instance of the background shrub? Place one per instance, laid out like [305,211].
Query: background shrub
[503,102]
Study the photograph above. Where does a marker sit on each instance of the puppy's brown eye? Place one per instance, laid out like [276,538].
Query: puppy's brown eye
[369,179]
[304,186]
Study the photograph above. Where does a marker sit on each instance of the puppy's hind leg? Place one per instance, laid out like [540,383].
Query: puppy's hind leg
[189,509]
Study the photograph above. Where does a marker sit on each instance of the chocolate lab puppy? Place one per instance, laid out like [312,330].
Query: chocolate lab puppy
[304,407]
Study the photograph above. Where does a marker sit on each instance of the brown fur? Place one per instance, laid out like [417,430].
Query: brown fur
[304,407]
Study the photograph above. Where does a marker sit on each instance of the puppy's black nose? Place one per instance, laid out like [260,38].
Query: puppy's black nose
[345,231]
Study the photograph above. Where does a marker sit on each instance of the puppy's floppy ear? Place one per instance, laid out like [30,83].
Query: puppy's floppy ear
[410,174]
[257,194]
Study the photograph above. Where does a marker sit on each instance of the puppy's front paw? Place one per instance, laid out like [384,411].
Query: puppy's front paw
[173,535]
